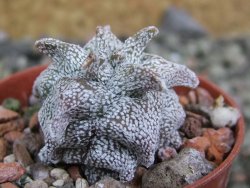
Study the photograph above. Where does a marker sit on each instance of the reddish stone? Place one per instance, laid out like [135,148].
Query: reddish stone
[200,143]
[74,172]
[3,148]
[12,136]
[13,125]
[8,185]
[7,115]
[10,172]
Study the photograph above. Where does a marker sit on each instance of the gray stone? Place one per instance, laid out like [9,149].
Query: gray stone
[39,171]
[36,184]
[187,167]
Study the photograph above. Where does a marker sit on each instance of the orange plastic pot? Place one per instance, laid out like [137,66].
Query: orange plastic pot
[19,86]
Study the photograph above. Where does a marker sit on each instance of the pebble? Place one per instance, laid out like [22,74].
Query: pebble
[8,185]
[3,148]
[68,185]
[7,115]
[12,136]
[108,182]
[166,153]
[10,172]
[21,154]
[9,158]
[58,173]
[33,142]
[187,167]
[36,184]
[81,183]
[39,171]
[12,125]
[74,172]
[58,183]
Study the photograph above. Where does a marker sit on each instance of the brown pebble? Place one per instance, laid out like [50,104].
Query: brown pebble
[21,154]
[137,180]
[10,172]
[183,100]
[192,127]
[7,115]
[33,142]
[34,123]
[8,185]
[13,125]
[74,172]
[12,136]
[3,148]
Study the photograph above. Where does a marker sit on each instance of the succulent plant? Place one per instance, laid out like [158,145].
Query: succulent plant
[108,105]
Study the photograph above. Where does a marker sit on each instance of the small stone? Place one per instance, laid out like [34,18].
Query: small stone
[166,153]
[221,141]
[68,185]
[81,183]
[108,182]
[12,104]
[57,173]
[58,183]
[74,172]
[193,124]
[7,115]
[36,184]
[199,143]
[23,180]
[21,154]
[34,123]
[12,125]
[187,167]
[33,142]
[3,148]
[12,136]
[39,171]
[8,185]
[183,100]
[9,158]
[10,172]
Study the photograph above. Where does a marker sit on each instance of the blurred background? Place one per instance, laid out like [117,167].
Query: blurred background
[212,37]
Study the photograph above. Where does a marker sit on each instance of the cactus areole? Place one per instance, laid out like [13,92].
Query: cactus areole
[108,106]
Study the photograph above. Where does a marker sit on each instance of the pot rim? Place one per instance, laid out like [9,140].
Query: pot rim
[204,82]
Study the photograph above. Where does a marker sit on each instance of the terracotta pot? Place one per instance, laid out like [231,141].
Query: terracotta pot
[20,84]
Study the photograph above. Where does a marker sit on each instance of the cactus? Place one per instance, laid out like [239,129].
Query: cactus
[109,106]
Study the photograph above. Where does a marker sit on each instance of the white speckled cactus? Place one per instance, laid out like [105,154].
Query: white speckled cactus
[108,105]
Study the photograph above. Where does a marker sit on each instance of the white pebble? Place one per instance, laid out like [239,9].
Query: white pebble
[9,158]
[58,183]
[81,183]
[224,116]
[57,173]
